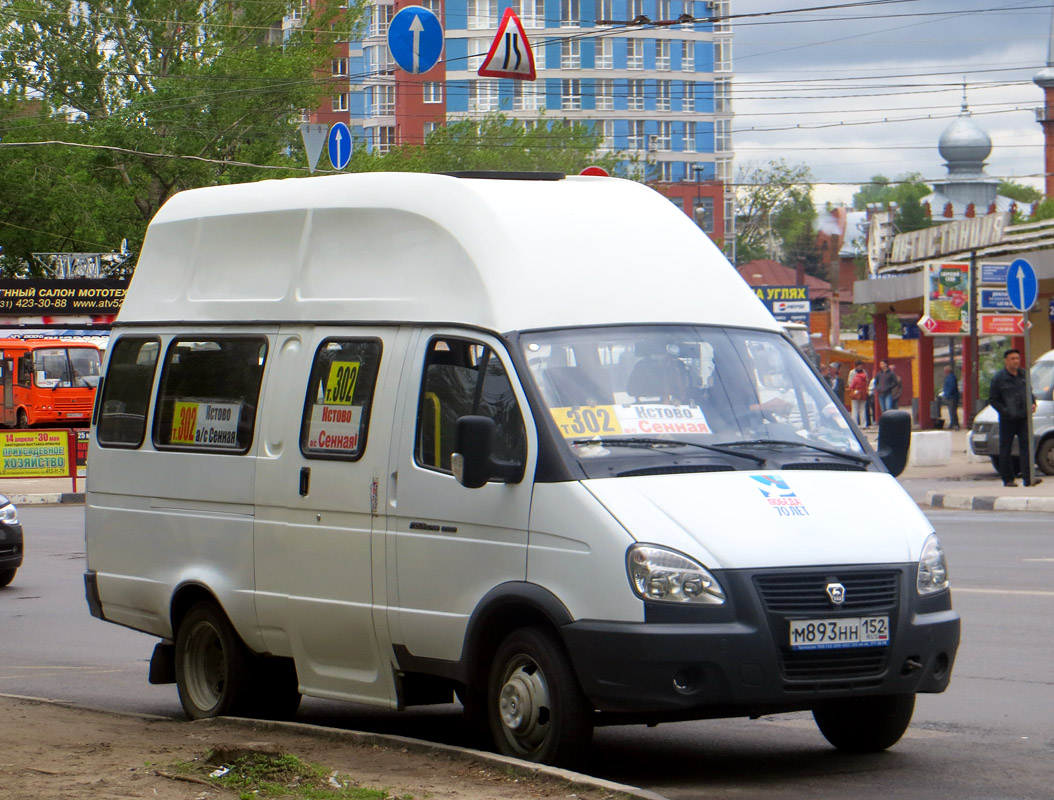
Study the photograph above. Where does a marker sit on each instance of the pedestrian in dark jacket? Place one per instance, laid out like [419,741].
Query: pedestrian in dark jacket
[1007,394]
[950,397]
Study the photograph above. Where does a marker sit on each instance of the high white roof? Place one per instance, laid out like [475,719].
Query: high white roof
[499,254]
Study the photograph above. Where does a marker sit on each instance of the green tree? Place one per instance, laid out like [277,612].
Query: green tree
[774,211]
[1019,192]
[499,143]
[154,97]
[906,192]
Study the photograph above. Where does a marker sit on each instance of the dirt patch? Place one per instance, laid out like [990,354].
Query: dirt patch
[49,750]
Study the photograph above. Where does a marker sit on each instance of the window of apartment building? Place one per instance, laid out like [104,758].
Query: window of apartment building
[663,140]
[385,138]
[703,213]
[482,14]
[662,54]
[531,13]
[340,102]
[688,101]
[430,127]
[634,54]
[662,9]
[570,15]
[570,54]
[339,66]
[605,97]
[723,169]
[689,137]
[383,101]
[635,140]
[380,18]
[571,95]
[605,53]
[720,13]
[666,171]
[635,95]
[435,6]
[298,9]
[723,55]
[605,9]
[607,132]
[483,95]
[688,8]
[688,56]
[477,51]
[722,134]
[635,8]
[722,96]
[433,92]
[528,95]
[662,95]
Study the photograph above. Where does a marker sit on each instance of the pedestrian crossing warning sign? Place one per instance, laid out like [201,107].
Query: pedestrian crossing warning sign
[510,54]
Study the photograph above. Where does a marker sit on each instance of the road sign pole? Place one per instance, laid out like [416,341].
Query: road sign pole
[1031,460]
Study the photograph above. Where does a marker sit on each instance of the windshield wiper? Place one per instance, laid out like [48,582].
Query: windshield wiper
[860,459]
[638,441]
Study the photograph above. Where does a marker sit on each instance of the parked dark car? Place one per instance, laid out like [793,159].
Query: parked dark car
[10,541]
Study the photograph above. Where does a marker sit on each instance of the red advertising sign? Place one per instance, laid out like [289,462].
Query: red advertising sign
[1001,324]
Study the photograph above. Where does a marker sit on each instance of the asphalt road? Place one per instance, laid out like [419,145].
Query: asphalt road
[991,735]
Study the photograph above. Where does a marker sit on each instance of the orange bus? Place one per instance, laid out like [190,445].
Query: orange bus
[48,382]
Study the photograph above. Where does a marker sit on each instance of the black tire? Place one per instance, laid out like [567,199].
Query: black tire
[535,707]
[6,576]
[865,724]
[22,419]
[212,664]
[1045,456]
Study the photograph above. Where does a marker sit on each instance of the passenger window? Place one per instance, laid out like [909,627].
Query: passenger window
[339,395]
[126,392]
[209,392]
[461,378]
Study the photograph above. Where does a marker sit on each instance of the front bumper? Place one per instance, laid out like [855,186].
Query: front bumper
[740,663]
[11,546]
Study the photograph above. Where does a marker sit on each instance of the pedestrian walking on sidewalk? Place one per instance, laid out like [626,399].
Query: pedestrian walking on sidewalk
[858,395]
[950,397]
[834,377]
[1007,395]
[887,386]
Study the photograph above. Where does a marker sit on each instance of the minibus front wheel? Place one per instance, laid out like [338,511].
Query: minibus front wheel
[211,663]
[536,708]
[865,724]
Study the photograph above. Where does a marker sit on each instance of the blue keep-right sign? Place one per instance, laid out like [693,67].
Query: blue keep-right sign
[1021,285]
[339,145]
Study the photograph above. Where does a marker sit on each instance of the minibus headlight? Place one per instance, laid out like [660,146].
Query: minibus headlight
[9,514]
[656,573]
[933,569]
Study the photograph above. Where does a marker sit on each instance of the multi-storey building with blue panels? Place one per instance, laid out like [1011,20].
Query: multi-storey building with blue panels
[661,92]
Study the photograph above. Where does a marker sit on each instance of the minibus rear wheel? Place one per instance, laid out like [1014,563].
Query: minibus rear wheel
[536,708]
[211,663]
[865,724]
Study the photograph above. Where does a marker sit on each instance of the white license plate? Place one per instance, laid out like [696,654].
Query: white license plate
[75,415]
[980,438]
[825,634]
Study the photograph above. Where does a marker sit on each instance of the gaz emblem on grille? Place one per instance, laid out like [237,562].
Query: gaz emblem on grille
[836,592]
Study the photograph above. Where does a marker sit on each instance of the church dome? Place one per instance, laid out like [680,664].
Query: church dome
[963,142]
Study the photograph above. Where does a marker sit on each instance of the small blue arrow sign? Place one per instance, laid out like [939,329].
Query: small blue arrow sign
[415,39]
[339,145]
[1021,285]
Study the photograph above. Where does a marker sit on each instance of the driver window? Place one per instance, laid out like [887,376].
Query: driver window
[462,377]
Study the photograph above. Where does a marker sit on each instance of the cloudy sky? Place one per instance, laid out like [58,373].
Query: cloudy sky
[866,87]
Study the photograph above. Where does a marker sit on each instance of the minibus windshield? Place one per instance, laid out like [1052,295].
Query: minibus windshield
[729,395]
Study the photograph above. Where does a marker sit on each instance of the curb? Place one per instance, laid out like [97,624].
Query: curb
[989,502]
[526,768]
[47,498]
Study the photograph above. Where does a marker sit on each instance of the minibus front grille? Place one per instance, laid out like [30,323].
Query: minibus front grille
[73,402]
[806,593]
[827,465]
[849,664]
[676,469]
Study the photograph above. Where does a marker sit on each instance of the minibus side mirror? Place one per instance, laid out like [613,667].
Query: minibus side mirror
[894,440]
[472,460]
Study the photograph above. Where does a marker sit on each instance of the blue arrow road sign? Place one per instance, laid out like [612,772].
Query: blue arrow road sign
[415,39]
[339,145]
[1021,285]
